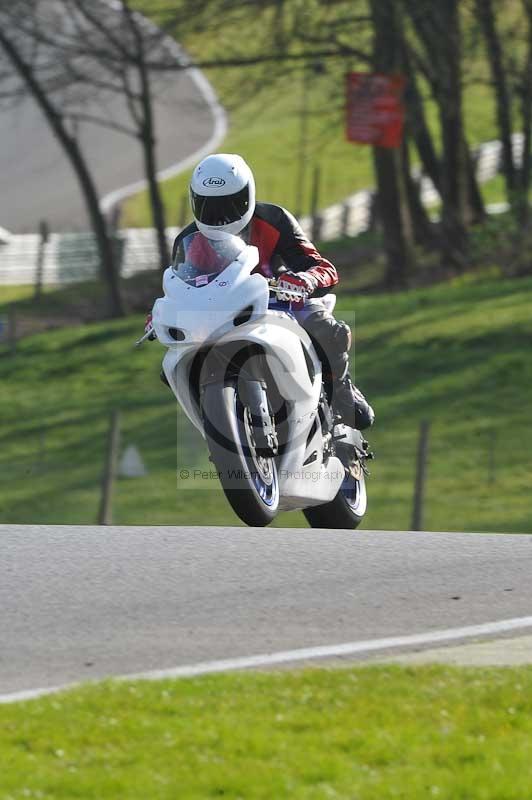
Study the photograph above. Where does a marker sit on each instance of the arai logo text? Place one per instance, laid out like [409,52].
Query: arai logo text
[214,182]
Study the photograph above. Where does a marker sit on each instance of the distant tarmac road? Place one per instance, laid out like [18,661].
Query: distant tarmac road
[38,181]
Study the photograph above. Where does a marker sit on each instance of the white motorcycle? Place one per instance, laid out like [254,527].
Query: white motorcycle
[248,377]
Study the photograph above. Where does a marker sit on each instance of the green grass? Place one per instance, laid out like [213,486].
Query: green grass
[266,128]
[12,294]
[456,354]
[493,191]
[366,733]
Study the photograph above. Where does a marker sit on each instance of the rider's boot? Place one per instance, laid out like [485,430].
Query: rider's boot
[351,405]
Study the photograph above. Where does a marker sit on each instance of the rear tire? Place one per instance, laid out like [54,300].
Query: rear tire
[347,509]
[249,481]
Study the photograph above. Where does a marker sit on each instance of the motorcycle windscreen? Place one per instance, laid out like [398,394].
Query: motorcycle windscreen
[199,260]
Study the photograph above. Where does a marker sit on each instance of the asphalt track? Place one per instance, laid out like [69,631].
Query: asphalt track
[41,181]
[81,602]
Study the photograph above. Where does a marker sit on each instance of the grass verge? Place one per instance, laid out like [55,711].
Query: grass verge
[365,733]
[12,294]
[457,354]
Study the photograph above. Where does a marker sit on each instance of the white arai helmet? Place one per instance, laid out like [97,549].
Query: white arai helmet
[222,195]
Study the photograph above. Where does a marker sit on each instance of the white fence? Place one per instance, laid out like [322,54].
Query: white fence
[71,257]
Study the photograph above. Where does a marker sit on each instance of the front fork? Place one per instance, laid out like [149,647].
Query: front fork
[252,391]
[253,395]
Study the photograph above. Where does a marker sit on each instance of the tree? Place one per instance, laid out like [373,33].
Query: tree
[100,54]
[438,30]
[108,49]
[417,121]
[85,51]
[29,65]
[525,93]
[509,56]
[109,53]
[392,185]
[494,52]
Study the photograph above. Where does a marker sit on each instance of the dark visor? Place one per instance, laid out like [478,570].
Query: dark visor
[220,210]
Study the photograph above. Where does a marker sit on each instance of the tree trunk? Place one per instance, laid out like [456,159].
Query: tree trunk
[438,27]
[150,166]
[75,156]
[476,201]
[525,173]
[418,127]
[455,178]
[395,216]
[157,207]
[494,54]
[424,230]
[148,142]
[389,165]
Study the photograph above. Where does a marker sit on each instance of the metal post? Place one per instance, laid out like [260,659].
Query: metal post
[118,243]
[44,233]
[115,215]
[12,330]
[492,458]
[303,135]
[421,474]
[373,221]
[315,203]
[42,451]
[106,504]
[346,215]
[183,211]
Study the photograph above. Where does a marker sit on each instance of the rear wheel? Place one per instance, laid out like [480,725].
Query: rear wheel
[249,479]
[347,509]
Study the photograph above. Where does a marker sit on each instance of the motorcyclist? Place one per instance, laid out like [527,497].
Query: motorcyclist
[222,196]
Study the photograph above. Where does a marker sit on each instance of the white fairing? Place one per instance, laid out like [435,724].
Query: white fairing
[205,315]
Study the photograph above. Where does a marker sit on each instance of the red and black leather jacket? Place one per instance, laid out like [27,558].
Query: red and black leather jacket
[281,241]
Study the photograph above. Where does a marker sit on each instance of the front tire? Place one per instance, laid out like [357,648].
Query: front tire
[249,481]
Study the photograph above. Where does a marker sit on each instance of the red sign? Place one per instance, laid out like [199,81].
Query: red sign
[374,108]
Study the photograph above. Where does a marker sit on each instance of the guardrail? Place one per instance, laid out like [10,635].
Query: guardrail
[72,257]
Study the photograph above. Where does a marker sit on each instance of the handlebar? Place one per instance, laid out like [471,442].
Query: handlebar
[149,335]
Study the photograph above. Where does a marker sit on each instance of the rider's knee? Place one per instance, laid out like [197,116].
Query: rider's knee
[332,338]
[365,416]
[329,332]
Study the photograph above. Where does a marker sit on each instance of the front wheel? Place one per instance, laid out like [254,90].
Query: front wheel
[249,480]
[348,507]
